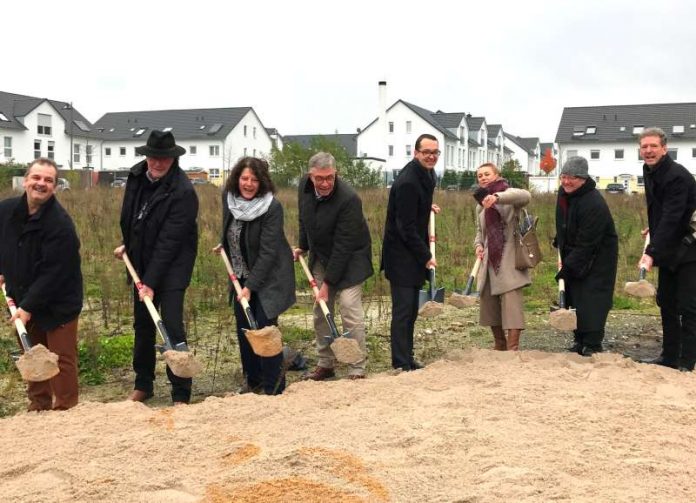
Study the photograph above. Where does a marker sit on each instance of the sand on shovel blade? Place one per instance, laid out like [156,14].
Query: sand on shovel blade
[642,288]
[462,301]
[183,363]
[347,350]
[563,319]
[430,309]
[38,364]
[266,341]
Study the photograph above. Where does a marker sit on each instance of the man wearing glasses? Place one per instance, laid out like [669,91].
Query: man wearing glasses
[406,254]
[333,229]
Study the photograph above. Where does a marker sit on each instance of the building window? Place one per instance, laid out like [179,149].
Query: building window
[88,154]
[618,153]
[245,151]
[76,152]
[107,152]
[3,117]
[391,127]
[640,157]
[254,153]
[637,129]
[591,130]
[214,173]
[8,147]
[408,126]
[214,150]
[672,153]
[44,124]
[135,152]
[408,150]
[193,150]
[254,132]
[693,152]
[37,149]
[594,154]
[641,181]
[51,150]
[122,151]
[245,131]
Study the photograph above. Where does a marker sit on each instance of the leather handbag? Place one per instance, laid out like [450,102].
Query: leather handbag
[527,251]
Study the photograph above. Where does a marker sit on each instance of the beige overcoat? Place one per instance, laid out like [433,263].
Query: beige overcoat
[508,277]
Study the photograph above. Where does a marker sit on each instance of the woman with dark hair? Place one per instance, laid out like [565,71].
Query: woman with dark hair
[499,281]
[254,241]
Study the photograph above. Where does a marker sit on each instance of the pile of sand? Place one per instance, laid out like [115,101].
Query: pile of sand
[482,427]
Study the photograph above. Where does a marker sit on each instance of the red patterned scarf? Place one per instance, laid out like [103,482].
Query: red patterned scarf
[495,228]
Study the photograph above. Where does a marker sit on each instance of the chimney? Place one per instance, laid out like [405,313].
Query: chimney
[382,116]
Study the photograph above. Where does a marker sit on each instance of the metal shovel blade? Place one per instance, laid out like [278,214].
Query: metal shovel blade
[432,294]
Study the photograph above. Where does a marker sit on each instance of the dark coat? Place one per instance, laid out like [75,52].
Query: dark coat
[268,257]
[164,244]
[589,247]
[335,232]
[670,191]
[40,260]
[406,247]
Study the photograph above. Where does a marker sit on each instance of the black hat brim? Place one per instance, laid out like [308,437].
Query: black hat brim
[175,151]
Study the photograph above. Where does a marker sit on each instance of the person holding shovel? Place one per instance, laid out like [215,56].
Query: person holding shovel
[334,231]
[499,281]
[406,253]
[261,258]
[589,250]
[40,267]
[160,235]
[670,191]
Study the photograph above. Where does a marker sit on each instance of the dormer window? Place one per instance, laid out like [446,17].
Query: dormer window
[678,129]
[3,117]
[591,130]
[638,129]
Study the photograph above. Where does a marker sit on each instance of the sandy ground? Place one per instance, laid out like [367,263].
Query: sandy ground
[478,426]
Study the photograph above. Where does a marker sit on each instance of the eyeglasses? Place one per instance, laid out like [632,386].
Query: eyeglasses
[323,179]
[429,152]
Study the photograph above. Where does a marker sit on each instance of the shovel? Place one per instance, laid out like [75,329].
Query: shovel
[563,318]
[344,348]
[430,302]
[265,342]
[642,287]
[464,298]
[178,357]
[37,364]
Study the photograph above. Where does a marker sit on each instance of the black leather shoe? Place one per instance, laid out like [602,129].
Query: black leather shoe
[686,369]
[661,360]
[575,348]
[591,349]
[416,365]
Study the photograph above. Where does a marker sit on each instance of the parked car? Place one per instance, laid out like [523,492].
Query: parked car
[63,184]
[615,188]
[199,181]
[119,182]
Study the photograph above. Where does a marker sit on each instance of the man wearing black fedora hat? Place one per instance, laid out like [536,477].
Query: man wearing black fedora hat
[160,235]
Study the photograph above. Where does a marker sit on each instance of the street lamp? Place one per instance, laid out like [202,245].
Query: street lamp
[68,106]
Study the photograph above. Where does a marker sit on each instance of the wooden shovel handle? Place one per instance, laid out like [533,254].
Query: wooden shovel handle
[21,329]
[313,284]
[431,233]
[138,285]
[233,278]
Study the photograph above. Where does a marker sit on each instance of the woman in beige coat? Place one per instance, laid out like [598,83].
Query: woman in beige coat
[499,282]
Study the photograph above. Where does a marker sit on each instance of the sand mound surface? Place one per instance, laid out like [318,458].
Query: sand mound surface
[482,426]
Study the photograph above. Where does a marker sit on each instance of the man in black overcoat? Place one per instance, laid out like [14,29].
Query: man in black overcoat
[406,252]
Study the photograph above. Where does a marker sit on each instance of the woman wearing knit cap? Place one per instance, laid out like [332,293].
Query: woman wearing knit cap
[587,241]
[499,282]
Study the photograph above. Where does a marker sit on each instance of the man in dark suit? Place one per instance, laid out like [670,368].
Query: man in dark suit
[670,191]
[160,235]
[406,253]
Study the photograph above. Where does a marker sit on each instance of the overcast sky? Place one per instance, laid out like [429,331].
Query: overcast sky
[313,66]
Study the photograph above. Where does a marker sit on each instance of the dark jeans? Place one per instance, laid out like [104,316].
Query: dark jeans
[404,314]
[171,308]
[259,371]
[676,296]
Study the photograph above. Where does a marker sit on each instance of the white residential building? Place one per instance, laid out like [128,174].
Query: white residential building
[214,138]
[607,136]
[33,127]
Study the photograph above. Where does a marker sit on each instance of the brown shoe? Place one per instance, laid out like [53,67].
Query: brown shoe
[319,374]
[140,396]
[355,377]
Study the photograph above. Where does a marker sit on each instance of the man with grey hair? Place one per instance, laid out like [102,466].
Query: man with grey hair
[334,232]
[670,191]
[589,249]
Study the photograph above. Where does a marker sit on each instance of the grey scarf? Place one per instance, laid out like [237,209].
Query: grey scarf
[247,210]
